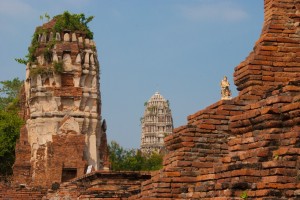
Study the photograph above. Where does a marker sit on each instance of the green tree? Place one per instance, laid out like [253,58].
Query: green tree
[153,162]
[10,123]
[132,160]
[116,155]
[9,93]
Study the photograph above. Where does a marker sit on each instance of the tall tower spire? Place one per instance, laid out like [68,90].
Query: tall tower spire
[157,123]
[63,122]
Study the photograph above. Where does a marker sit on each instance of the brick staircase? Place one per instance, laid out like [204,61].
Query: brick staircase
[21,193]
[100,185]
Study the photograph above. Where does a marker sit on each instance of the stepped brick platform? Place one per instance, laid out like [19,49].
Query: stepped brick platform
[101,185]
[95,185]
[21,193]
[244,148]
[247,147]
[256,154]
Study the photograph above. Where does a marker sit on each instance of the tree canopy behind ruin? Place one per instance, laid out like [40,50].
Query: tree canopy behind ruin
[132,160]
[9,92]
[10,123]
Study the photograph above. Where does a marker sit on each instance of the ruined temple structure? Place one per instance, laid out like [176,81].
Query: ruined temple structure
[62,108]
[247,147]
[157,123]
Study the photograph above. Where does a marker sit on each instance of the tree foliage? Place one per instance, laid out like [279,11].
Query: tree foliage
[10,123]
[65,21]
[9,92]
[73,22]
[132,160]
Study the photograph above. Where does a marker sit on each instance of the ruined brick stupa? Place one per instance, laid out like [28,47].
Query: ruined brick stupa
[61,104]
[157,123]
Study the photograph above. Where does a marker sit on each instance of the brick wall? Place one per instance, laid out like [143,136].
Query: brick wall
[247,147]
[22,166]
[64,152]
[244,148]
[8,193]
[275,58]
[101,185]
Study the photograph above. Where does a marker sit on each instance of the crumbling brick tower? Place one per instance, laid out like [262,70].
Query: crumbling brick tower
[62,104]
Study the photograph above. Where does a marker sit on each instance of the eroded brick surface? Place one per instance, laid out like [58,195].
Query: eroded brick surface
[60,104]
[244,148]
[247,146]
[101,185]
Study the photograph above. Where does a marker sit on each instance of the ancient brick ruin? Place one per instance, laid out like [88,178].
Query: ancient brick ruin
[157,123]
[101,185]
[62,108]
[247,147]
[244,148]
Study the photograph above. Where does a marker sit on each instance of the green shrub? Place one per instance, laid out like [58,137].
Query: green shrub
[40,70]
[47,54]
[65,21]
[132,159]
[73,22]
[244,195]
[58,67]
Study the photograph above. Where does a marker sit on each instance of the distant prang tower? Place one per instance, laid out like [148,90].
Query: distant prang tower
[61,105]
[157,123]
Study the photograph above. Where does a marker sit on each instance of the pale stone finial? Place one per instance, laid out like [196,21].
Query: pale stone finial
[55,57]
[94,82]
[78,59]
[67,37]
[67,62]
[76,81]
[87,41]
[44,37]
[87,58]
[57,37]
[39,38]
[92,43]
[92,60]
[225,90]
[41,60]
[74,38]
[39,80]
[51,36]
[80,40]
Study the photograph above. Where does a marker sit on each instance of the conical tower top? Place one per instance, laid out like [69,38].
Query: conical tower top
[157,97]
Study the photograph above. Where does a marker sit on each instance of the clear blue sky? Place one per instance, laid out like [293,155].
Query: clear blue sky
[181,48]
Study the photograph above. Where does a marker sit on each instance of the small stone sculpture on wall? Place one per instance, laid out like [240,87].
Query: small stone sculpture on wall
[225,91]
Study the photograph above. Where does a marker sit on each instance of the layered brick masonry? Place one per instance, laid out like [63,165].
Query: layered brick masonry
[101,185]
[95,185]
[62,110]
[247,147]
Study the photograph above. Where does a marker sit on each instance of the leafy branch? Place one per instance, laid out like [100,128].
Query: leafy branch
[65,21]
